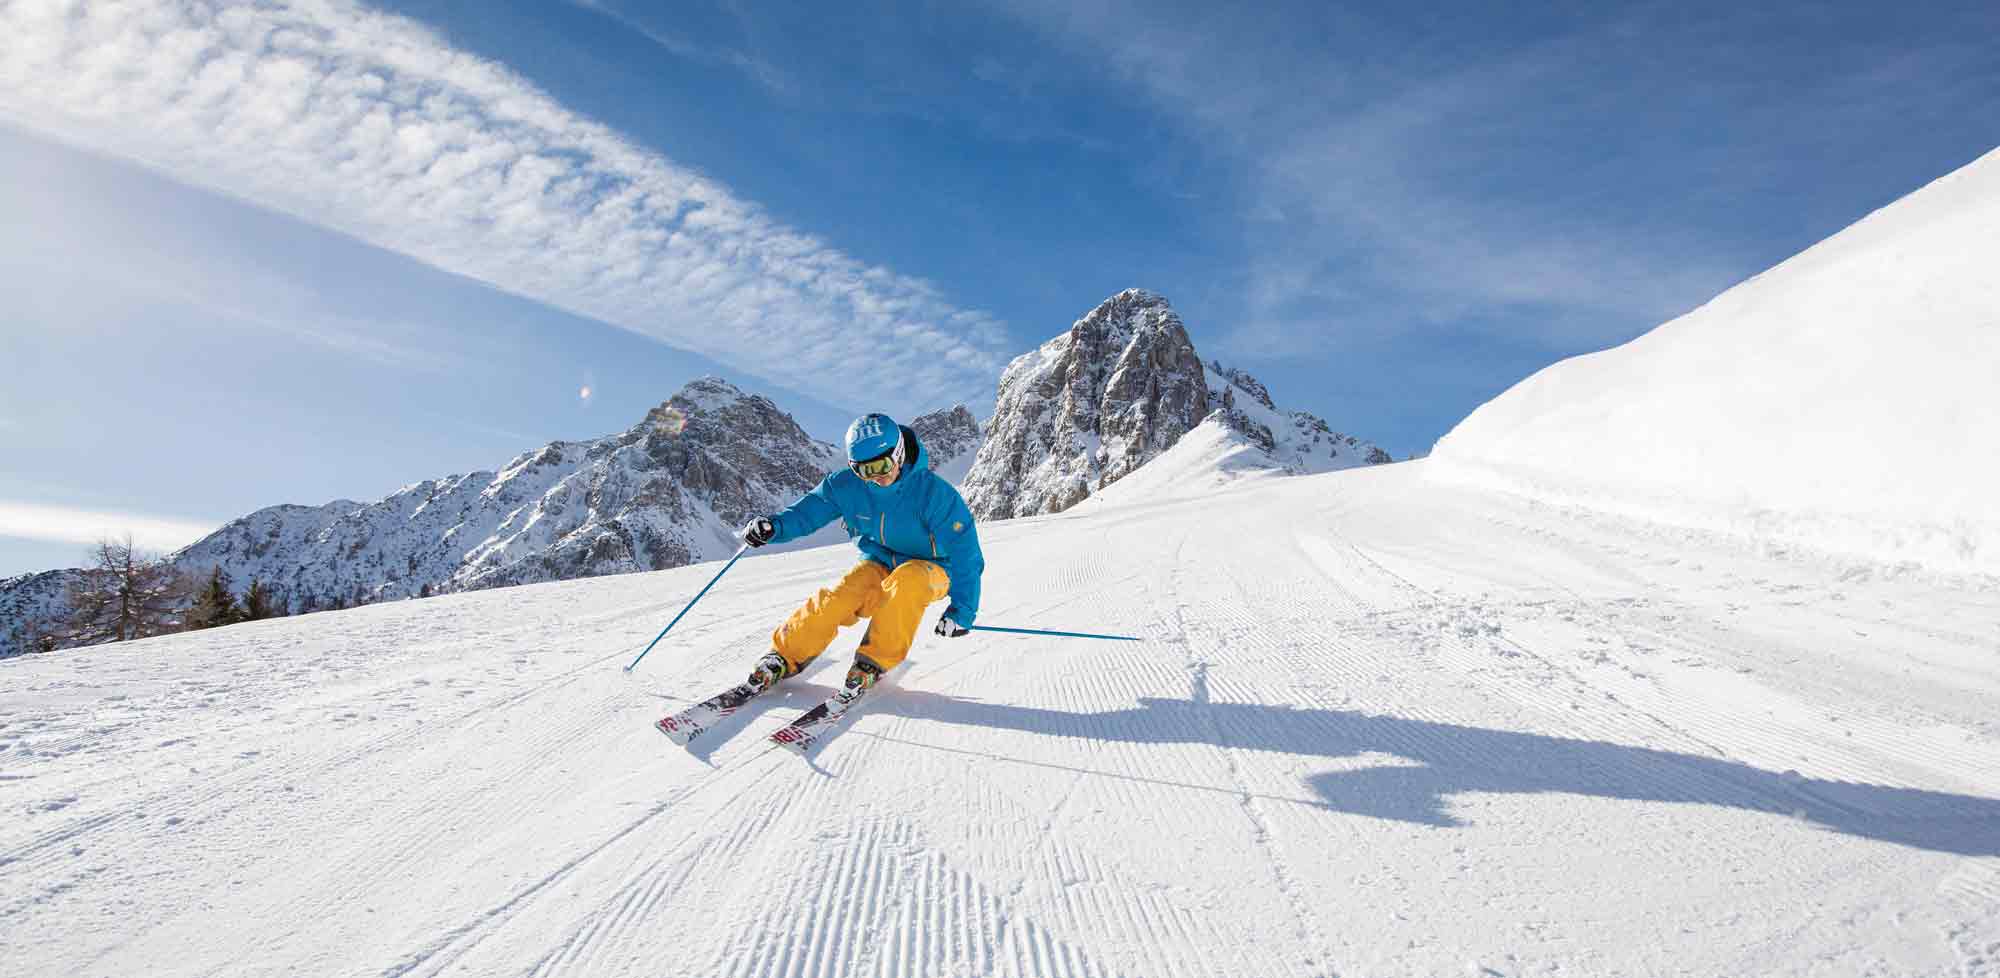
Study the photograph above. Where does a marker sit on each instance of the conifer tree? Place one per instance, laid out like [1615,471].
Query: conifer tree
[41,633]
[258,602]
[214,604]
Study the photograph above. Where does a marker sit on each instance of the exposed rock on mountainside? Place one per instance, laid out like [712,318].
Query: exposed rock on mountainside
[1117,391]
[952,438]
[29,605]
[1087,407]
[1298,442]
[666,492]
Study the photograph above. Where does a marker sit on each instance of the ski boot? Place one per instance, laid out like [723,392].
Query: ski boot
[862,675]
[769,669]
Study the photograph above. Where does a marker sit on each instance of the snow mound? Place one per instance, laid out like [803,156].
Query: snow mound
[1843,401]
[1213,456]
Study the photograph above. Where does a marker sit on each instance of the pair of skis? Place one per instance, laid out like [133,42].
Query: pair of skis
[800,735]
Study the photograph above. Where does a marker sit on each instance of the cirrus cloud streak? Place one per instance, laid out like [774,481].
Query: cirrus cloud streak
[372,125]
[63,524]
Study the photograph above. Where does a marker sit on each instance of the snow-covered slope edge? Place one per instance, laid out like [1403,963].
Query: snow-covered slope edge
[1372,727]
[1844,401]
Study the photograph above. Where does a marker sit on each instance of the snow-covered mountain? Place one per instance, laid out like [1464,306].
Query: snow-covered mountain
[1295,442]
[1842,401]
[951,438]
[665,492]
[669,491]
[1087,407]
[30,604]
[1120,389]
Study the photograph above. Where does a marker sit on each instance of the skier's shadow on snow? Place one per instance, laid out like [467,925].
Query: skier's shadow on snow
[1444,759]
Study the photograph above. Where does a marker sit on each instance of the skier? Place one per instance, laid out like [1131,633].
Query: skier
[919,543]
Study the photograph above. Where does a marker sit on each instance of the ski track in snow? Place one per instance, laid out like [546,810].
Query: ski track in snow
[1373,727]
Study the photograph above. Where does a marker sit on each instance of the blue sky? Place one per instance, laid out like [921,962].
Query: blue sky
[299,252]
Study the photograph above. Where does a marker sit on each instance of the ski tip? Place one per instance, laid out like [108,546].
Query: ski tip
[674,732]
[792,740]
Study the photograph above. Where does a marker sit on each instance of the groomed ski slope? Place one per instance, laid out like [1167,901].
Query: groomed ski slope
[1378,726]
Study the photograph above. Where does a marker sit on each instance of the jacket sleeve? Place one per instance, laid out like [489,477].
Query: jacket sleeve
[957,537]
[813,510]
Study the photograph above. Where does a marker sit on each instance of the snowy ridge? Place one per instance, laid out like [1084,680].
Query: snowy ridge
[31,603]
[667,492]
[1375,726]
[1295,442]
[1842,402]
[1245,438]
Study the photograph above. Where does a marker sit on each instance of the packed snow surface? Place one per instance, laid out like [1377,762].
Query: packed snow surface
[1376,726]
[1843,400]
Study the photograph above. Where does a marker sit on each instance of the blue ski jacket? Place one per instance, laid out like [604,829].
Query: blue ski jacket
[917,517]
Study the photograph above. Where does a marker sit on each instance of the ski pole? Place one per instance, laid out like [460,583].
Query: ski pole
[1040,631]
[690,604]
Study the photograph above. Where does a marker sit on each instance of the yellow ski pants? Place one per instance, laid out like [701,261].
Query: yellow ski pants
[894,603]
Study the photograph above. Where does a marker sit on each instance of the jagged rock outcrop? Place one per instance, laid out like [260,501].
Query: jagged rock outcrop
[1088,407]
[666,492]
[32,606]
[1298,442]
[951,438]
[1117,391]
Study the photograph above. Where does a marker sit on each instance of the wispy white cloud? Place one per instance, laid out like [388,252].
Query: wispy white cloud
[371,124]
[257,301]
[1383,171]
[757,69]
[516,441]
[61,524]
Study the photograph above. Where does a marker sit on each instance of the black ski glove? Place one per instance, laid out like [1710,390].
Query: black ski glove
[759,531]
[949,627]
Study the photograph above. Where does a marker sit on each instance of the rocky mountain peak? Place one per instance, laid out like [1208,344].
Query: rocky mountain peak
[1238,380]
[666,492]
[1297,442]
[1088,407]
[951,437]
[717,441]
[1119,389]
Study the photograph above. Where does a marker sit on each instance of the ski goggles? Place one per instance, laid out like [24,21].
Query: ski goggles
[876,467]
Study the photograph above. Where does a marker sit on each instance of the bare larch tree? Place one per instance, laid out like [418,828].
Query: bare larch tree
[123,595]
